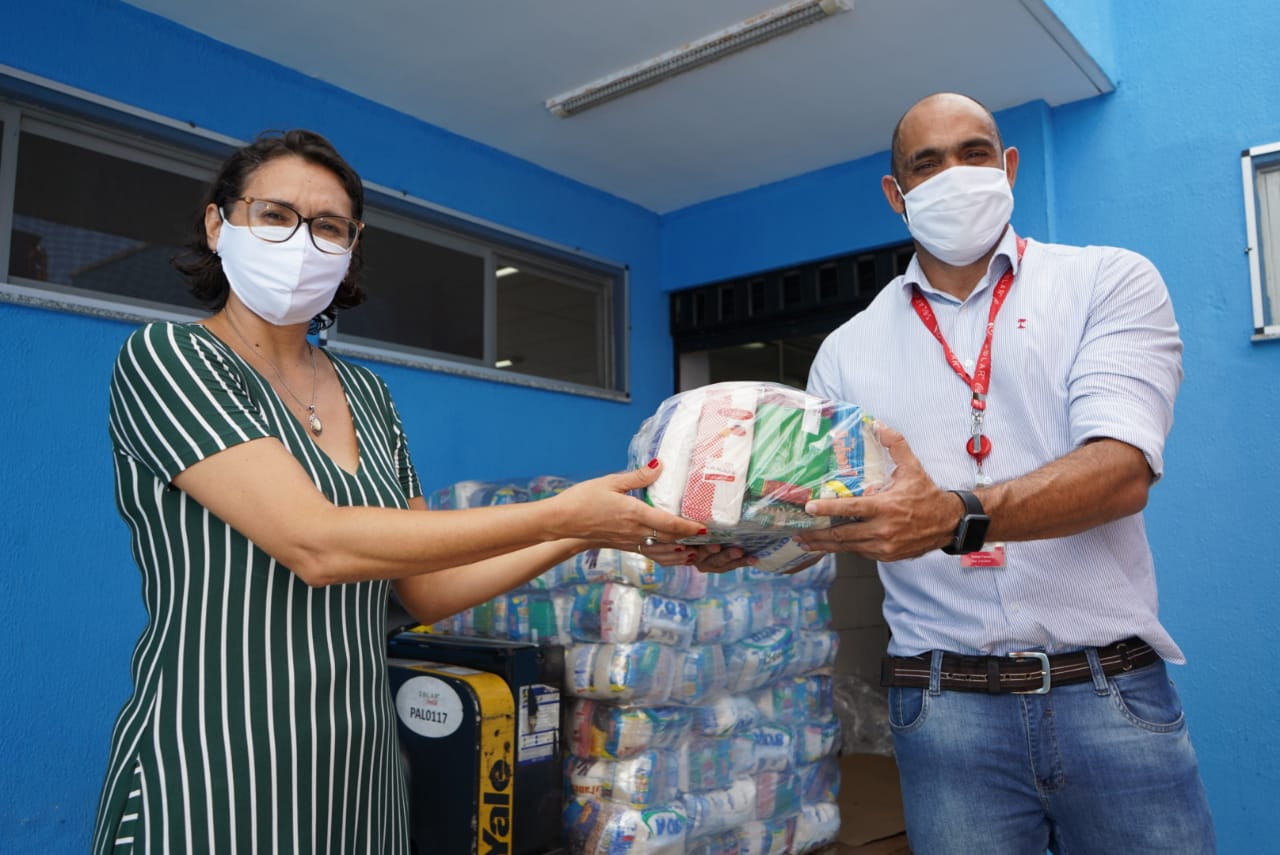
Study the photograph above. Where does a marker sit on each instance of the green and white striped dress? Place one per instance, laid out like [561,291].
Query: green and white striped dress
[260,719]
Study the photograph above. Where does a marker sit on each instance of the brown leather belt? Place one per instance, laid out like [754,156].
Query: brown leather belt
[1028,672]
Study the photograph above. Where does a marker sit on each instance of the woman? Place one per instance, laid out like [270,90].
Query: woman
[267,487]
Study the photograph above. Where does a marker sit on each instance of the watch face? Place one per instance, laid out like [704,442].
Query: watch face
[972,533]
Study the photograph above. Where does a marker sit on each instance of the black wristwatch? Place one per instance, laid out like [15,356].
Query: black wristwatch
[971,533]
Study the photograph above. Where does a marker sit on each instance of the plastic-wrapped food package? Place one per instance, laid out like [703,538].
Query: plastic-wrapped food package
[767,748]
[816,740]
[546,486]
[711,619]
[613,565]
[774,554]
[819,576]
[767,837]
[777,794]
[717,810]
[801,698]
[758,659]
[478,494]
[562,574]
[599,729]
[544,626]
[598,827]
[745,612]
[726,716]
[481,494]
[699,674]
[817,825]
[720,843]
[613,612]
[644,780]
[813,650]
[785,607]
[743,458]
[638,673]
[815,608]
[819,782]
[705,764]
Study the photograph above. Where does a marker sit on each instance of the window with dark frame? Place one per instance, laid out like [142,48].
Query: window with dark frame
[804,299]
[96,214]
[790,311]
[84,220]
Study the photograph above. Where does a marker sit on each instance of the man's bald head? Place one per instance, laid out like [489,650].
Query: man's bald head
[929,109]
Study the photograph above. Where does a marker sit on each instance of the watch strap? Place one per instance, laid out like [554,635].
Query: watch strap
[972,504]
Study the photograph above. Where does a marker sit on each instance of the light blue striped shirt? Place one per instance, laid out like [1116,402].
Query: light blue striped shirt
[1085,346]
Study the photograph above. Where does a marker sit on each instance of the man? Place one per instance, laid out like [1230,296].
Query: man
[1026,391]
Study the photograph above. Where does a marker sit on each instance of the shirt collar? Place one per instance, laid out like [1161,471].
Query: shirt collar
[1006,256]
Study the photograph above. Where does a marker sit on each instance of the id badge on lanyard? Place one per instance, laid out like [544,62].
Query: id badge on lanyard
[978,445]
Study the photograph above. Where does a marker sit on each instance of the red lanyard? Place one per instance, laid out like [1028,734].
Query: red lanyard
[978,446]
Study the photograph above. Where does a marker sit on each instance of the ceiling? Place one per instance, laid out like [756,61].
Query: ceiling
[821,95]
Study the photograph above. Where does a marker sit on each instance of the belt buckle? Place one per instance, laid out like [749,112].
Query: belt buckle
[1044,669]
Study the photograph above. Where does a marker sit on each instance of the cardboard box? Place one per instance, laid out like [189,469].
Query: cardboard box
[870,803]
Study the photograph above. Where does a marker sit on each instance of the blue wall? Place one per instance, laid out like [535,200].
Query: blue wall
[1153,166]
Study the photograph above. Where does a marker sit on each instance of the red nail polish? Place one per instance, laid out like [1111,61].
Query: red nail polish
[653,464]
[702,531]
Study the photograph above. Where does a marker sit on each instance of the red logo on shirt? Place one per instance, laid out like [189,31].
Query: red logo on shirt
[1022,323]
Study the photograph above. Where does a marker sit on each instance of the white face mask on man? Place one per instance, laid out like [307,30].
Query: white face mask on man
[960,213]
[282,283]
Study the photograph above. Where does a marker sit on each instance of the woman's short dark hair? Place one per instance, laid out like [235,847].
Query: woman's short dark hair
[203,267]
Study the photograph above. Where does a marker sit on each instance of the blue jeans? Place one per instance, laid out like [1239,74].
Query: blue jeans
[1094,768]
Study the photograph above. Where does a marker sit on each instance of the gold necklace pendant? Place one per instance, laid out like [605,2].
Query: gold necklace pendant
[313,421]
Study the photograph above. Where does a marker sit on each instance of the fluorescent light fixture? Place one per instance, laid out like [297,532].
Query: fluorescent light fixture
[505,271]
[753,31]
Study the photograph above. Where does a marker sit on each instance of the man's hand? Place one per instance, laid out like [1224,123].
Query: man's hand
[910,517]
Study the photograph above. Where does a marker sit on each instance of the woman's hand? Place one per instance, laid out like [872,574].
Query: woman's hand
[601,512]
[717,557]
[707,557]
[666,554]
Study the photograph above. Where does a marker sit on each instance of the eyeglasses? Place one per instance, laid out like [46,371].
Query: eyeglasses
[276,222]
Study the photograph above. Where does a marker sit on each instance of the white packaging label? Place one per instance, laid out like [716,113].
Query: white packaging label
[812,417]
[429,706]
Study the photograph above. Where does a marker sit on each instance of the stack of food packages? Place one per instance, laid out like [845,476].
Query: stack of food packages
[702,718]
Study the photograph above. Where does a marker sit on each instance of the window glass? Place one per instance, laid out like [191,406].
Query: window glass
[88,220]
[552,325]
[785,361]
[420,295]
[1260,166]
[1267,186]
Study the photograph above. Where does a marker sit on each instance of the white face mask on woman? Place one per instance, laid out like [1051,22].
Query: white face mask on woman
[282,283]
[960,213]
